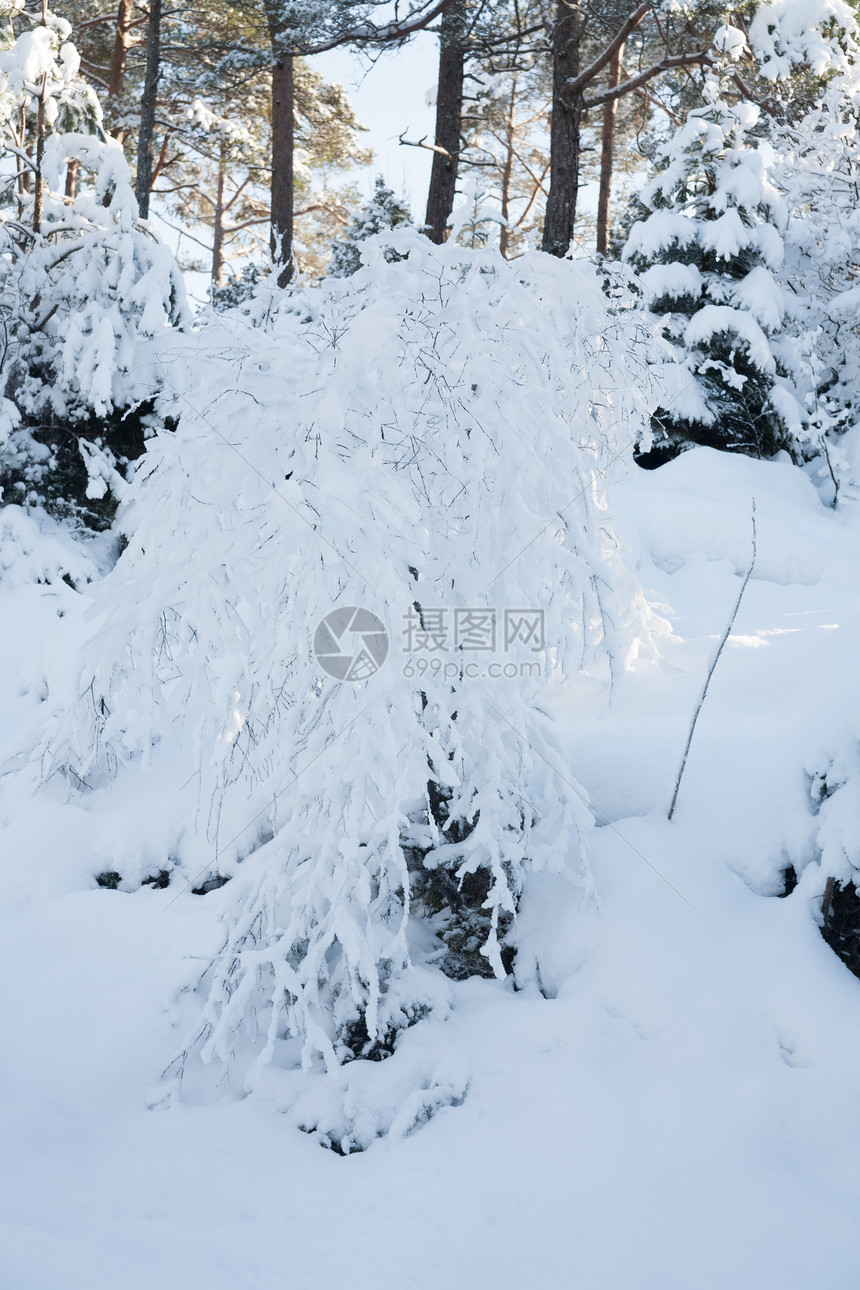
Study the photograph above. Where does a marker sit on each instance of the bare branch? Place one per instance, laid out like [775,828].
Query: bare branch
[747,92]
[619,39]
[95,22]
[263,219]
[665,65]
[420,143]
[715,661]
[238,193]
[389,33]
[330,210]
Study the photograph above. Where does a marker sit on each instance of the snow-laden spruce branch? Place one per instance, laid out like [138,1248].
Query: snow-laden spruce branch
[725,636]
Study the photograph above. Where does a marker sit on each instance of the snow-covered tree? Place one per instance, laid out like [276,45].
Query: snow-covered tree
[818,170]
[819,36]
[382,212]
[816,148]
[82,282]
[396,443]
[708,253]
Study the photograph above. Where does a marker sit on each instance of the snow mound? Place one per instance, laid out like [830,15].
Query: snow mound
[707,516]
[365,1102]
[35,548]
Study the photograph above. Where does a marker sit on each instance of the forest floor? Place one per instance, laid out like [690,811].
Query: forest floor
[684,1114]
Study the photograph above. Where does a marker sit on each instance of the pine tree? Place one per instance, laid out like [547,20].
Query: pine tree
[381,213]
[708,252]
[215,175]
[504,125]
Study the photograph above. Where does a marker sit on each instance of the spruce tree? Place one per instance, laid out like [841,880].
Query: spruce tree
[382,212]
[707,249]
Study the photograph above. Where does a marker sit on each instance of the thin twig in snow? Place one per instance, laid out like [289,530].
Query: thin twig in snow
[716,660]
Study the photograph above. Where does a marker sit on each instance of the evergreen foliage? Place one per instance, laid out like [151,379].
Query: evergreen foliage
[237,288]
[82,284]
[709,252]
[381,213]
[818,168]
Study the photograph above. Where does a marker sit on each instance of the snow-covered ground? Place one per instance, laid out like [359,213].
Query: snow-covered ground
[682,1115]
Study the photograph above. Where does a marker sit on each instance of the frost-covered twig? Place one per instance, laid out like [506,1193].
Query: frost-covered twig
[716,659]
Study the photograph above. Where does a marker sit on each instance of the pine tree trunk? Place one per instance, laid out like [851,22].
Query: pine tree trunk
[38,185]
[508,170]
[218,232]
[449,116]
[564,131]
[607,152]
[119,57]
[283,131]
[72,180]
[143,184]
[23,170]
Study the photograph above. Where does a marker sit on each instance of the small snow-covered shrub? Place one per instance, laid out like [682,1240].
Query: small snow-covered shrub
[236,289]
[834,792]
[382,212]
[427,438]
[835,796]
[42,550]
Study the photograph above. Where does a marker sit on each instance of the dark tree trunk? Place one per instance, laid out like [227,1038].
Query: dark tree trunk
[218,234]
[72,180]
[283,142]
[143,184]
[38,185]
[508,170]
[283,132]
[607,154]
[287,43]
[119,57]
[564,144]
[449,116]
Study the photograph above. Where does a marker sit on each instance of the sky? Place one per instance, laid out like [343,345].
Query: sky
[390,97]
